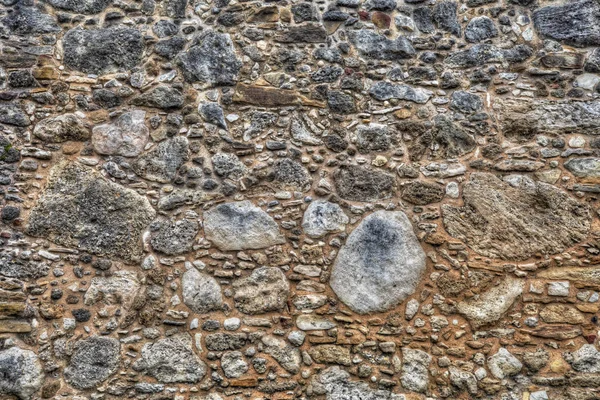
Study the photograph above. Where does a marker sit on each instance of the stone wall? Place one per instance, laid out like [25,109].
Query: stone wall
[341,200]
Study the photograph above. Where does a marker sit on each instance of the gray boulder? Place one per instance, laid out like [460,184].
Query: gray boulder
[161,163]
[386,90]
[125,136]
[358,183]
[21,373]
[515,222]
[336,384]
[265,290]
[503,364]
[380,265]
[121,287]
[480,28]
[415,370]
[100,51]
[233,364]
[586,359]
[322,217]
[372,45]
[80,6]
[213,114]
[30,21]
[80,209]
[12,114]
[162,96]
[201,292]
[240,226]
[466,102]
[94,359]
[211,60]
[171,360]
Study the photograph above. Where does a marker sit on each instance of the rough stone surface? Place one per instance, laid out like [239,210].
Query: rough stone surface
[92,362]
[161,163]
[322,217]
[266,289]
[499,220]
[126,136]
[175,237]
[79,208]
[240,226]
[20,372]
[62,128]
[201,292]
[380,265]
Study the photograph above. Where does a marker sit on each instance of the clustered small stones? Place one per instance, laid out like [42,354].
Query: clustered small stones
[341,199]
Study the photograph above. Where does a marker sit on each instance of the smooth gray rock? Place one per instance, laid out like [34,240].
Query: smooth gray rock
[125,136]
[415,370]
[386,90]
[201,292]
[211,60]
[80,209]
[21,373]
[380,265]
[372,45]
[175,237]
[161,163]
[480,28]
[100,51]
[265,290]
[94,359]
[171,360]
[515,222]
[241,226]
[503,364]
[62,128]
[322,217]
[576,22]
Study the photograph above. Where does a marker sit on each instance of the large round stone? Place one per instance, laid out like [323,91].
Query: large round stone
[380,265]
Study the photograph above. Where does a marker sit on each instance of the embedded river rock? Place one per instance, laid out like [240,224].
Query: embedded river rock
[380,265]
[300,200]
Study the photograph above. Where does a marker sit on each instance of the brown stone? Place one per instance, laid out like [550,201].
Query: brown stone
[562,314]
[271,97]
[11,308]
[12,326]
[557,332]
[244,382]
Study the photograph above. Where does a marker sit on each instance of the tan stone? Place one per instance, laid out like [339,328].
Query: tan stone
[271,97]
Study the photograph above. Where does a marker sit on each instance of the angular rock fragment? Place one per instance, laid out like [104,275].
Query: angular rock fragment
[386,90]
[322,217]
[12,114]
[100,51]
[444,15]
[271,97]
[340,102]
[265,290]
[80,209]
[118,288]
[21,372]
[304,33]
[125,136]
[337,385]
[290,174]
[331,354]
[162,96]
[300,133]
[171,360]
[213,114]
[287,356]
[492,304]
[240,226]
[503,364]
[13,266]
[466,102]
[362,184]
[445,140]
[587,168]
[562,314]
[585,359]
[514,223]
[480,28]
[482,54]
[372,45]
[62,128]
[228,166]
[161,163]
[576,23]
[94,359]
[175,237]
[210,60]
[380,265]
[201,292]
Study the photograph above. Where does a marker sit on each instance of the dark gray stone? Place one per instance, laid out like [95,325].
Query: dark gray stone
[480,28]
[444,15]
[372,45]
[213,114]
[380,5]
[291,174]
[482,54]
[80,6]
[340,102]
[100,51]
[304,12]
[372,137]
[94,359]
[384,90]
[162,96]
[362,184]
[304,33]
[12,114]
[423,19]
[380,265]
[80,209]
[29,21]
[161,163]
[211,60]
[466,102]
[576,23]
